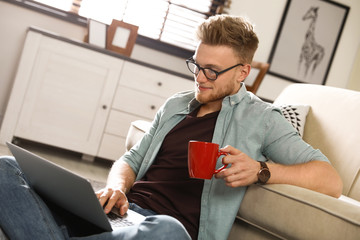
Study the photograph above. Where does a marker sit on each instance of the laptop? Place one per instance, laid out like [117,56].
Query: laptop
[68,190]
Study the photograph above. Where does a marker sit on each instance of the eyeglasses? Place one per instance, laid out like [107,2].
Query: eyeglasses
[208,72]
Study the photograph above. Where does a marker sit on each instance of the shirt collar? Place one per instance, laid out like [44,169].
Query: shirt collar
[237,97]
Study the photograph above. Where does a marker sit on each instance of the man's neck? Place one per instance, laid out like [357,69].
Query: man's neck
[209,108]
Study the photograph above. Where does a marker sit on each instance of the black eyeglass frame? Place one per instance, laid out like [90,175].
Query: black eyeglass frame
[191,60]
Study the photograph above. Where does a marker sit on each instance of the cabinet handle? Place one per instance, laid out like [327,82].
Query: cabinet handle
[104,107]
[159,84]
[152,107]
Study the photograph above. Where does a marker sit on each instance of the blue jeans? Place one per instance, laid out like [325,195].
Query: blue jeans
[25,215]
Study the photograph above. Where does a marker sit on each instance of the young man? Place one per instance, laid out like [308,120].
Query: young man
[154,175]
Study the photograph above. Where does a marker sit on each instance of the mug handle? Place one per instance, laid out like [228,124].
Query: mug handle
[223,167]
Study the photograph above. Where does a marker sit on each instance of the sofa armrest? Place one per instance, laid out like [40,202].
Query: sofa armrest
[136,131]
[297,213]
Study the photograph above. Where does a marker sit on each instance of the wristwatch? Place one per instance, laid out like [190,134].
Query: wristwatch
[264,173]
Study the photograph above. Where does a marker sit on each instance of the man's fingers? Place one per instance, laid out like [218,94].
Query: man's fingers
[109,198]
[233,158]
[103,195]
[112,200]
[231,150]
[124,208]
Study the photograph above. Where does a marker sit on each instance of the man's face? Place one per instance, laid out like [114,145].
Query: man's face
[217,58]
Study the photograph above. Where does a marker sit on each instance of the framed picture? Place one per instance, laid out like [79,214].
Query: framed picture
[306,41]
[97,33]
[121,37]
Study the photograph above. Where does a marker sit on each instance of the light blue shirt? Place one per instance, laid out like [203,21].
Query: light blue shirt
[245,122]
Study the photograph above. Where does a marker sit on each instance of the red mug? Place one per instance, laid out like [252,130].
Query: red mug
[202,158]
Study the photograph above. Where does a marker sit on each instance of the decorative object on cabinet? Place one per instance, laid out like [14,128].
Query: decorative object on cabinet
[121,37]
[257,74]
[97,32]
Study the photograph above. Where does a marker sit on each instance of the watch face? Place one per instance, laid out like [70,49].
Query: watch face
[264,175]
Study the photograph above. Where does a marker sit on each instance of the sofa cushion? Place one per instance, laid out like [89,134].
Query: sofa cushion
[296,115]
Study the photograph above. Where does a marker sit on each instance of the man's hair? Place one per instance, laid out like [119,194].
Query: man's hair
[231,31]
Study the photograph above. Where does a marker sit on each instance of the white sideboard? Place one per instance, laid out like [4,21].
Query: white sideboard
[73,96]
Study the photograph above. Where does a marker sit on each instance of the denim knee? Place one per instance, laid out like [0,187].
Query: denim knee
[8,163]
[10,172]
[8,160]
[169,226]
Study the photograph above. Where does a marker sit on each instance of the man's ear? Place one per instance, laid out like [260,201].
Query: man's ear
[244,72]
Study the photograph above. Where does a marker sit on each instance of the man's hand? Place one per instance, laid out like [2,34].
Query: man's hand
[120,180]
[113,197]
[243,170]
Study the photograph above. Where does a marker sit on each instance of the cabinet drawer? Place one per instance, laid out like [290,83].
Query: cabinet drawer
[138,103]
[112,147]
[119,123]
[153,81]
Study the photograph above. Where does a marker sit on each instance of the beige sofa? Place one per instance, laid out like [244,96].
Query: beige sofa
[289,212]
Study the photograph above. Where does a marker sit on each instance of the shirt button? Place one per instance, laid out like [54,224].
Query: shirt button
[232,103]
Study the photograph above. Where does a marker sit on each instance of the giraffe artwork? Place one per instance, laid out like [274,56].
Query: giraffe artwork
[311,52]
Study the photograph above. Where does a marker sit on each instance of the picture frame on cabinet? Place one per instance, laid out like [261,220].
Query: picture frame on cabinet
[307,39]
[97,32]
[121,37]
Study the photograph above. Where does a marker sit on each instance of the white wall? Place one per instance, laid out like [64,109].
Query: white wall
[266,14]
[354,82]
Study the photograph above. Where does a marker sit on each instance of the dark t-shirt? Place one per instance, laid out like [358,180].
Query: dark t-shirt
[167,188]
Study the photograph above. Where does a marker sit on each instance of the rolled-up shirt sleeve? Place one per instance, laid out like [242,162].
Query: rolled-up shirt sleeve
[283,144]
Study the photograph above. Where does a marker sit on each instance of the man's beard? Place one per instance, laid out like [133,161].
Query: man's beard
[220,94]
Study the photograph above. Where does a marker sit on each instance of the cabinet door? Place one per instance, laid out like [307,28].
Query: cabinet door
[68,98]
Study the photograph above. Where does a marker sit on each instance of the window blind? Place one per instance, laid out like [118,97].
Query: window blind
[170,21]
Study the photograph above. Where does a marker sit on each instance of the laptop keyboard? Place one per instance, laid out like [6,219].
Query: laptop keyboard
[118,221]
